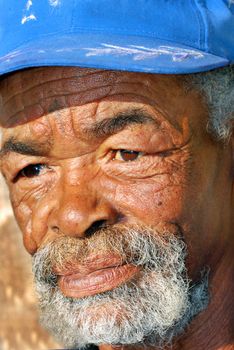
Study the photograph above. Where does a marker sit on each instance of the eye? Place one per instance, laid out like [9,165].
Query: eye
[31,171]
[127,155]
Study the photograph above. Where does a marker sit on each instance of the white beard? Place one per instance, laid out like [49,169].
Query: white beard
[151,309]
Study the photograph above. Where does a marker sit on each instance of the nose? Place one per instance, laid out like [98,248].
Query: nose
[81,214]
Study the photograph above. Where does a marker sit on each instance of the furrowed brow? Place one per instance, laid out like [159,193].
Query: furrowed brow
[104,128]
[26,148]
[110,126]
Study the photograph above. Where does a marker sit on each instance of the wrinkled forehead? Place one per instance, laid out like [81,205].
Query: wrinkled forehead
[24,80]
[73,97]
[31,93]
[60,78]
[18,79]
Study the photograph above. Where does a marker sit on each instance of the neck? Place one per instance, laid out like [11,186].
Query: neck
[212,329]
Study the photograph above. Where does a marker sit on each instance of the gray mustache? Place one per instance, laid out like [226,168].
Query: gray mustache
[151,248]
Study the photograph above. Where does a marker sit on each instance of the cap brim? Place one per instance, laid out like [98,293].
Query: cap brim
[96,50]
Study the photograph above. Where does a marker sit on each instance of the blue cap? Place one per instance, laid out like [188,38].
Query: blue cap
[157,36]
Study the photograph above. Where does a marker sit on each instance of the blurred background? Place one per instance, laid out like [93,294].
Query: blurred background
[19,324]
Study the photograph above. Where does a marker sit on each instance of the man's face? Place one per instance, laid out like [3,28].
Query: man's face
[110,174]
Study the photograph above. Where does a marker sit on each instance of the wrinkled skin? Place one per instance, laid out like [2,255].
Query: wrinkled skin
[182,175]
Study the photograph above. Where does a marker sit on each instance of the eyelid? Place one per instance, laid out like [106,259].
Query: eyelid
[20,162]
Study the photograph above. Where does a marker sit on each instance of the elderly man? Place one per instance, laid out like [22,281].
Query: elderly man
[122,180]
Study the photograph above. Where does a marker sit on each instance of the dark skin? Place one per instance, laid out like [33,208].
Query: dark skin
[80,146]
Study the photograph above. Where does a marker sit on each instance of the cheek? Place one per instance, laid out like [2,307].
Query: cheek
[23,214]
[147,202]
[21,207]
[24,202]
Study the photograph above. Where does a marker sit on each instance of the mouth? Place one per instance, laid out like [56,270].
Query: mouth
[99,274]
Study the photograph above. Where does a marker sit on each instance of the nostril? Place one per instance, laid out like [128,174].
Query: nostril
[97,225]
[55,229]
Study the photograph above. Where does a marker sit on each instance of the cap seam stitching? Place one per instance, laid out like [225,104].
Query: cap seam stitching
[199,16]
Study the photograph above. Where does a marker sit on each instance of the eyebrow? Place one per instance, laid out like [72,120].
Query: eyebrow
[101,129]
[30,148]
[110,126]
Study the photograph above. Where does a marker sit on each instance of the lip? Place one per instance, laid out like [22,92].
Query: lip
[90,264]
[97,276]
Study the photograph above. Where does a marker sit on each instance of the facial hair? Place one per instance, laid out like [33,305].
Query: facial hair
[151,309]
